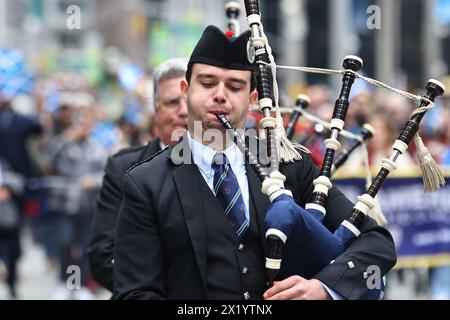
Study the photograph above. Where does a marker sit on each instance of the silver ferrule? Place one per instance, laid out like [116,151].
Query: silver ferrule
[334,134]
[266,112]
[255,30]
[395,155]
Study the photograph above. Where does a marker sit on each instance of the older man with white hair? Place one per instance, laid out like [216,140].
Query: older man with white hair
[170,124]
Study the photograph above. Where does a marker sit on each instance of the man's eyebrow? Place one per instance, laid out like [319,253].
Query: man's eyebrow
[206,76]
[172,99]
[211,76]
[239,80]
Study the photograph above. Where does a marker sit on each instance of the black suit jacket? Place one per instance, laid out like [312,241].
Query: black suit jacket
[101,244]
[161,233]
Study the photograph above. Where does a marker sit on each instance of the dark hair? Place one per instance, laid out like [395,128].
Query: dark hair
[189,75]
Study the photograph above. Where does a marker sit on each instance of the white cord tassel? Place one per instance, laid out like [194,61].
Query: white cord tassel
[431,174]
[287,150]
[377,214]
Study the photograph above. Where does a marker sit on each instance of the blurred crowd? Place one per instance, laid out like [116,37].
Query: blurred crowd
[387,113]
[56,136]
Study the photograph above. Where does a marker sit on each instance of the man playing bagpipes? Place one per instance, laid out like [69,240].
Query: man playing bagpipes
[191,224]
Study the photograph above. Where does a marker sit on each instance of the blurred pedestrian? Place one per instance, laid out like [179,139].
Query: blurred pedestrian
[15,131]
[78,162]
[11,189]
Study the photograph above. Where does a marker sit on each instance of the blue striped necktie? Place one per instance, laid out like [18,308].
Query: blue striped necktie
[226,188]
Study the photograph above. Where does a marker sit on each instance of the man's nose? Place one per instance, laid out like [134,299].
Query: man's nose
[183,110]
[219,96]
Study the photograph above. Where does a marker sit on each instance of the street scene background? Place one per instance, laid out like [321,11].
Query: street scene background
[65,62]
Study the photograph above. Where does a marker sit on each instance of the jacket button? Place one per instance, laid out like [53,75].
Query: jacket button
[246,295]
[350,264]
[244,270]
[240,247]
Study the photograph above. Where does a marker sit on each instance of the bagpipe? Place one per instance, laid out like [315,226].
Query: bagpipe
[298,242]
[367,132]
[301,102]
[321,127]
[307,234]
[259,52]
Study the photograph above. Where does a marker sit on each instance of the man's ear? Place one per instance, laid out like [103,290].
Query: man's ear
[184,89]
[253,97]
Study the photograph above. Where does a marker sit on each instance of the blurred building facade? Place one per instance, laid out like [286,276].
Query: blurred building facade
[402,42]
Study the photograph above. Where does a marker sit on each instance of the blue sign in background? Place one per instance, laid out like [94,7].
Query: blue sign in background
[419,222]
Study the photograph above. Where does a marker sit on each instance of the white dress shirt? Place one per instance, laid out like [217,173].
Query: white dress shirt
[203,157]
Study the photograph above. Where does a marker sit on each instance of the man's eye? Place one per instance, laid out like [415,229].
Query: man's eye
[207,84]
[172,103]
[235,88]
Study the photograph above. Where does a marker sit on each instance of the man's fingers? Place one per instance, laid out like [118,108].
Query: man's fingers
[293,293]
[282,285]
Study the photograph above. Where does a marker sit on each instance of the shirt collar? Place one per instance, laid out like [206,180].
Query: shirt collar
[203,156]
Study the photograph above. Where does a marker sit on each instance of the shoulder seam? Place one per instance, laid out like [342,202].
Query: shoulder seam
[146,159]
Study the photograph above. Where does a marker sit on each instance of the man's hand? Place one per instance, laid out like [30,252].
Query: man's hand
[297,288]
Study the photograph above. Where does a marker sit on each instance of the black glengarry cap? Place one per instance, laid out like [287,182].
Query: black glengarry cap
[216,49]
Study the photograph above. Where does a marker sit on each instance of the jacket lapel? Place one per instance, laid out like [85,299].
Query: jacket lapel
[186,178]
[260,203]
